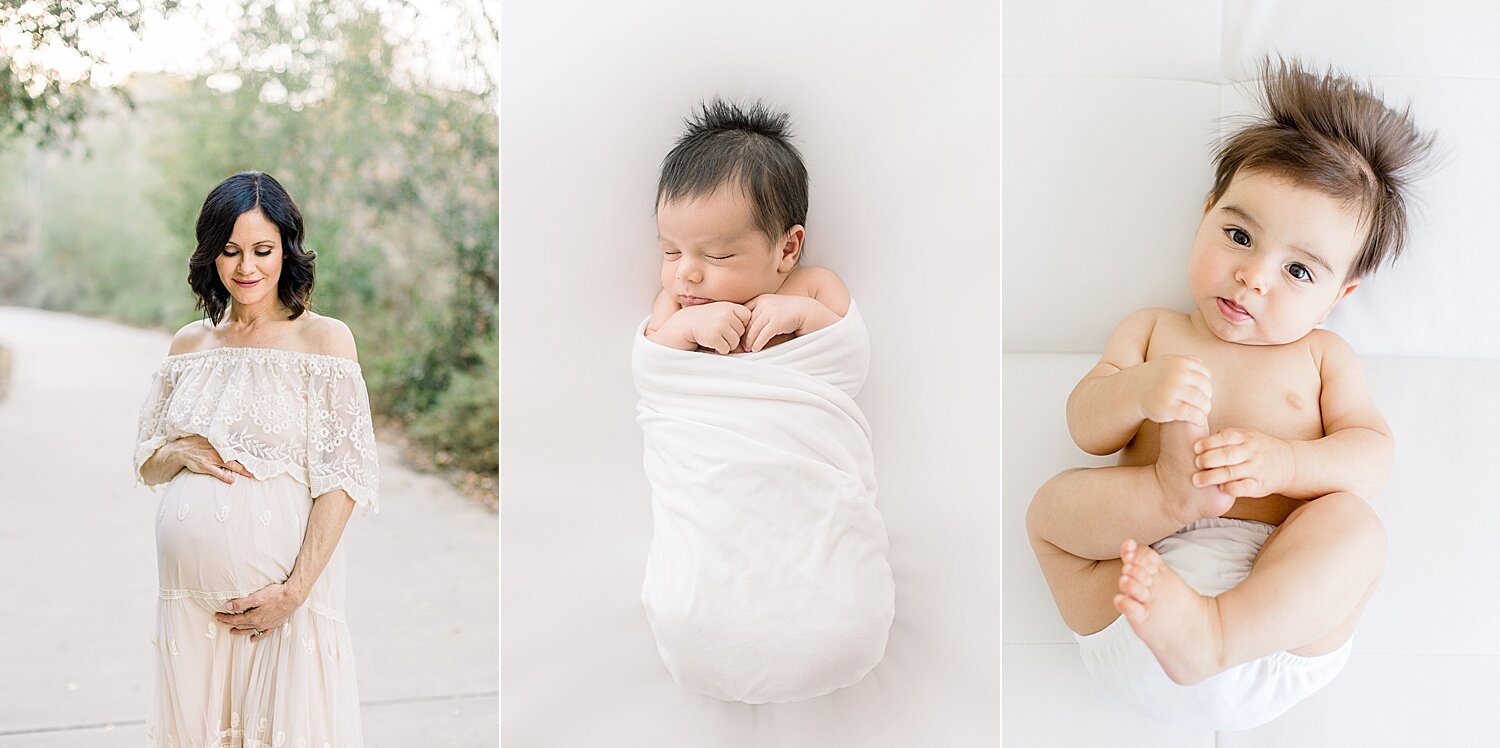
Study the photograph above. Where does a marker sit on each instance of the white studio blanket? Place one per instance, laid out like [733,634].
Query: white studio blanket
[767,579]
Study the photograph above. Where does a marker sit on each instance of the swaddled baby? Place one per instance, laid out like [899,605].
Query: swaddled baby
[767,578]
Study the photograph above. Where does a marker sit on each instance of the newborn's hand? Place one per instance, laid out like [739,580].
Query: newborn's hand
[717,326]
[776,314]
[1244,463]
[1174,388]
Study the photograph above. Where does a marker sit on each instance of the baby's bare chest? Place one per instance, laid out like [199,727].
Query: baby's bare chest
[1271,389]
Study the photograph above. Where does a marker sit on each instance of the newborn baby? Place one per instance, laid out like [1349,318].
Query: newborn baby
[767,578]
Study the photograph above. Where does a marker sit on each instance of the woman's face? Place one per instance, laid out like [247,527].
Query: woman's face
[250,265]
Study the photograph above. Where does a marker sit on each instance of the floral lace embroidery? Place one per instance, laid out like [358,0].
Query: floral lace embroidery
[286,627]
[303,414]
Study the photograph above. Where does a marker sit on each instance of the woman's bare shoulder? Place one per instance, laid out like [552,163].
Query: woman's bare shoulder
[192,337]
[328,336]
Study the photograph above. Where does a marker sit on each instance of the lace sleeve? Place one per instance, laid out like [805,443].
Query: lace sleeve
[341,449]
[152,427]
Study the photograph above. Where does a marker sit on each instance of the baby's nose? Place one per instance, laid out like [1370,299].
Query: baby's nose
[1253,276]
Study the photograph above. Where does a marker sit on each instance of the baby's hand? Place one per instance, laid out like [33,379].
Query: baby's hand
[1174,388]
[717,326]
[777,314]
[1244,463]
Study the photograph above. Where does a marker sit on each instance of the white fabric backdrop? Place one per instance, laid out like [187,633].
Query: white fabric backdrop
[1110,111]
[897,115]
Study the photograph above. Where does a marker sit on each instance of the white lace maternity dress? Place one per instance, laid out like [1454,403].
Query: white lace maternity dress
[300,423]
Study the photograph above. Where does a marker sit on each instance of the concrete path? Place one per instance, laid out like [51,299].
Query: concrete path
[78,565]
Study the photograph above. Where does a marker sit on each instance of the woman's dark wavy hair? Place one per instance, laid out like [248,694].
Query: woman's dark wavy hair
[235,196]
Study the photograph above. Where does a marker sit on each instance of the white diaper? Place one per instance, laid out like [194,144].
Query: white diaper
[1211,555]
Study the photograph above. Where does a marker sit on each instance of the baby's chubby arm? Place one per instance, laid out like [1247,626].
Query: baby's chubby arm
[717,326]
[811,299]
[1354,455]
[1124,390]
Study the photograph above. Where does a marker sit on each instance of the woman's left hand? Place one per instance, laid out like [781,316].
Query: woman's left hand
[264,610]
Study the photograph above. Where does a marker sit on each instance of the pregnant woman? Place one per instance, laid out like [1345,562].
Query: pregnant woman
[259,425]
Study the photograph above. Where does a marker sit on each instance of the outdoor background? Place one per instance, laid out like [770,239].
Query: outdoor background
[380,117]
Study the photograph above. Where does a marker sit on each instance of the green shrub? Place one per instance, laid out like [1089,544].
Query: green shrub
[460,428]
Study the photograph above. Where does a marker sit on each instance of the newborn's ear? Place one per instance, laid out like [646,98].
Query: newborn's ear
[1348,289]
[790,250]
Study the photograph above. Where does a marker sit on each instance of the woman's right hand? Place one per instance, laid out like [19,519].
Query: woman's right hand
[197,454]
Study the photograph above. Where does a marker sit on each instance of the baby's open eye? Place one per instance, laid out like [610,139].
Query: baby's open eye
[1299,271]
[1238,236]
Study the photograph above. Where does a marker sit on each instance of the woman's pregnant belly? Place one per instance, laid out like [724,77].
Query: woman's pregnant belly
[216,541]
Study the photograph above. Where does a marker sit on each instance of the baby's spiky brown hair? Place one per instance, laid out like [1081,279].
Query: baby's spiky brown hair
[1333,134]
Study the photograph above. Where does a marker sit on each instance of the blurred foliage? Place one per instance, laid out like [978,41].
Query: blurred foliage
[34,98]
[397,180]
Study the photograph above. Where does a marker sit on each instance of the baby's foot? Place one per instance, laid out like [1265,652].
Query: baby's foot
[1180,626]
[1186,503]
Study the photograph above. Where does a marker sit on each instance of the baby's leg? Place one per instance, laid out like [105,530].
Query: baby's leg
[1305,593]
[1078,520]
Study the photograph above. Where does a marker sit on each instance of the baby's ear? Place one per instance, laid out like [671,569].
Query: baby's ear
[1348,289]
[791,248]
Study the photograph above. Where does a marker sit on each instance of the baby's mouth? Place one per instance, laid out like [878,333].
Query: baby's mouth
[693,300]
[1232,311]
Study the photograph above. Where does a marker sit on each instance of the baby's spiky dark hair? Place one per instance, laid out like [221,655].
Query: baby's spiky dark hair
[1335,135]
[748,146]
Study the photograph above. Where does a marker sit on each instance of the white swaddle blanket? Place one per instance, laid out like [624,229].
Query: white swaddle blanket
[767,578]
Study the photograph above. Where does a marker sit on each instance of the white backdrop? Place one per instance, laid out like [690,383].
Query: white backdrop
[896,113]
[1110,113]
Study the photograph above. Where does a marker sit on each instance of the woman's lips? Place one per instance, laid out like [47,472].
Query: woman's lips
[1232,311]
[246,284]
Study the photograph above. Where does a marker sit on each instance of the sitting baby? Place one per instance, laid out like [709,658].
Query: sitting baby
[767,578]
[1215,577]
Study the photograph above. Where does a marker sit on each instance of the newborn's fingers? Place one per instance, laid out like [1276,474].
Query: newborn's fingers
[1221,456]
[1216,477]
[762,337]
[1218,439]
[1243,487]
[1190,413]
[752,333]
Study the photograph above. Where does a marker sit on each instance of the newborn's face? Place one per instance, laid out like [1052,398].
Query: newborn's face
[1269,261]
[712,250]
